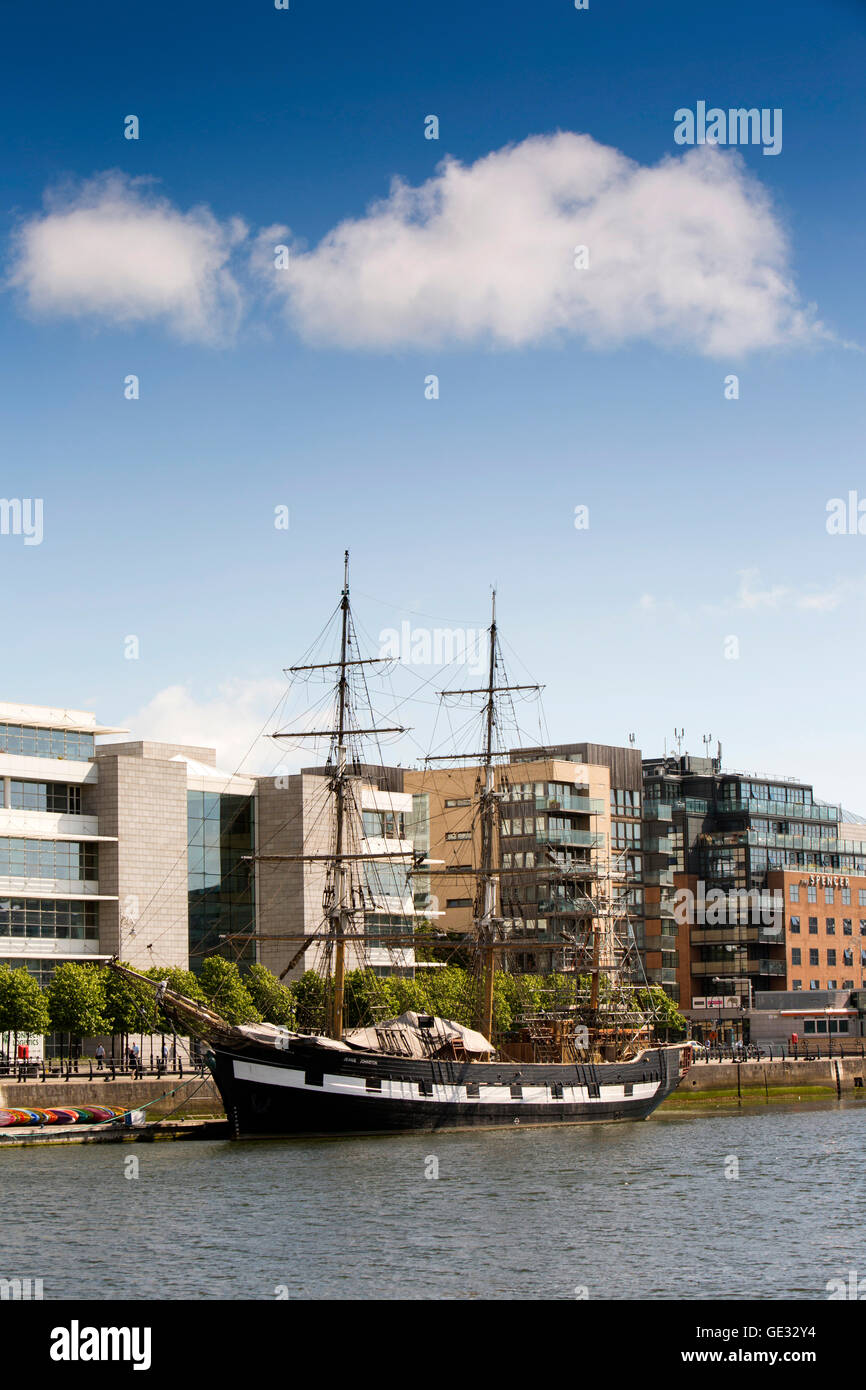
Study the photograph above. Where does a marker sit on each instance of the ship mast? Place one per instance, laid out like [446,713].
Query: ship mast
[340,910]
[487,920]
[489,881]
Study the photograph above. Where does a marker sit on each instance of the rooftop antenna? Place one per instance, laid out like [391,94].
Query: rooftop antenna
[679,735]
[719,754]
[707,740]
[631,740]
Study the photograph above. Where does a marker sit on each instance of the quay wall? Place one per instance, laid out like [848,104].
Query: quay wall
[198,1096]
[834,1073]
[195,1095]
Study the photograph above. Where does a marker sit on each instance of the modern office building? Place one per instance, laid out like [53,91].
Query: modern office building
[54,882]
[741,846]
[295,894]
[129,849]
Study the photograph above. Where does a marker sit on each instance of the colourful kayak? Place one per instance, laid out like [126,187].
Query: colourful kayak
[6,1118]
[102,1112]
[63,1116]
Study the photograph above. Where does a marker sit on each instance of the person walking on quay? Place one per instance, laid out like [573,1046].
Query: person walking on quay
[100,1056]
[135,1057]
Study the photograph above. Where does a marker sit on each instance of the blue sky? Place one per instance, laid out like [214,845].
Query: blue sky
[707,516]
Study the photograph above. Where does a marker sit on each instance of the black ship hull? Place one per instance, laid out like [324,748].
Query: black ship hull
[307,1090]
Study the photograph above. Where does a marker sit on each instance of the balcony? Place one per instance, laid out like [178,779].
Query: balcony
[588,839]
[659,877]
[665,975]
[737,935]
[737,965]
[661,909]
[585,805]
[658,844]
[565,907]
[657,811]
[661,943]
[780,810]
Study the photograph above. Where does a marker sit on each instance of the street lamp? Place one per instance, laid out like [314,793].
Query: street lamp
[733,980]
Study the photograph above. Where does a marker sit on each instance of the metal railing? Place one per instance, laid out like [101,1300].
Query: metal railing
[86,1068]
[806,1050]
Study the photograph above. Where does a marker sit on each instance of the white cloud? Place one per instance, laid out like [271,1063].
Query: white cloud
[234,721]
[750,597]
[114,250]
[687,252]
[783,596]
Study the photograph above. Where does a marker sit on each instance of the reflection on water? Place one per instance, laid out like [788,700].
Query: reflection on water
[636,1210]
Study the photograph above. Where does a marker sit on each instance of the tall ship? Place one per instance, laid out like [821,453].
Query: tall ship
[593,1055]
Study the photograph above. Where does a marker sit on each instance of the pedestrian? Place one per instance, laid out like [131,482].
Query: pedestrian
[100,1056]
[136,1062]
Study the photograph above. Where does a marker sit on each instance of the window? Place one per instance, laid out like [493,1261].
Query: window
[814,984]
[813,926]
[813,956]
[830,924]
[846,896]
[458,801]
[796,984]
[794,892]
[47,859]
[458,902]
[796,955]
[832,984]
[831,960]
[861,897]
[46,743]
[49,917]
[385,825]
[829,896]
[58,797]
[795,924]
[847,926]
[812,893]
[863,926]
[848,959]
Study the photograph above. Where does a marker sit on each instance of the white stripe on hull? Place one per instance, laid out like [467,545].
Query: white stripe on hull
[356,1087]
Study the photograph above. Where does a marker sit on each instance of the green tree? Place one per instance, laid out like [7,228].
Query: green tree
[310,997]
[668,1021]
[76,1000]
[226,992]
[182,982]
[23,1007]
[130,1005]
[273,1000]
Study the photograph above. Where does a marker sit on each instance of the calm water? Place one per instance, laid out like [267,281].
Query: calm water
[638,1210]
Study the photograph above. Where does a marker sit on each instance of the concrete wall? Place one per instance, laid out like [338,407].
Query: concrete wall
[710,1076]
[130,1094]
[142,800]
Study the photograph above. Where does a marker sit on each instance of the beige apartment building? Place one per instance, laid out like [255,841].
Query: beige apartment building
[555,845]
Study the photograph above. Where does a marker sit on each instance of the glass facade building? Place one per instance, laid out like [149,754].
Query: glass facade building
[221,883]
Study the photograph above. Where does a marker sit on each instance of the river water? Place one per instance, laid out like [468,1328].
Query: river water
[637,1210]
